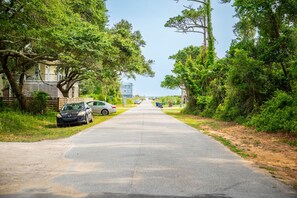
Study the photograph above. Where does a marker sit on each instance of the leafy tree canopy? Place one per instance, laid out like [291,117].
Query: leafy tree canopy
[69,34]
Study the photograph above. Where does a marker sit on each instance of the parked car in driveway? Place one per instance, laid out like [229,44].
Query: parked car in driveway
[102,107]
[74,113]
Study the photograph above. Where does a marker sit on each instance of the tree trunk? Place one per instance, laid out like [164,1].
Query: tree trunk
[65,92]
[275,35]
[211,53]
[204,57]
[204,30]
[13,84]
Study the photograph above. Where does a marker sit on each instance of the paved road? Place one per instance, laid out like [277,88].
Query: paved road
[147,154]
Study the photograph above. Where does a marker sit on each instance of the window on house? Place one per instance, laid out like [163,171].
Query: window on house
[47,73]
[36,72]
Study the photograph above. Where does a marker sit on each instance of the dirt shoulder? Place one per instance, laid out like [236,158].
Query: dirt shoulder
[269,151]
[30,167]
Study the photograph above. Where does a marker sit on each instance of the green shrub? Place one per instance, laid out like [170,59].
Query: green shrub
[202,102]
[129,101]
[187,110]
[246,87]
[190,110]
[116,100]
[211,106]
[228,111]
[173,100]
[206,106]
[38,104]
[94,96]
[277,114]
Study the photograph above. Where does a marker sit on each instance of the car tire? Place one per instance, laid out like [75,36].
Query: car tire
[87,119]
[104,112]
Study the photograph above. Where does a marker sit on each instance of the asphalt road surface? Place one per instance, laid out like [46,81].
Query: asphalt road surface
[140,153]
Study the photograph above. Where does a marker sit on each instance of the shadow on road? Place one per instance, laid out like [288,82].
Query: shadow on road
[109,195]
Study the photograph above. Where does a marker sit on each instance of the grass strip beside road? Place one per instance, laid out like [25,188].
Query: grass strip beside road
[22,127]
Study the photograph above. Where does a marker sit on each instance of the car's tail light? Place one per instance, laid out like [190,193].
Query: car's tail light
[114,107]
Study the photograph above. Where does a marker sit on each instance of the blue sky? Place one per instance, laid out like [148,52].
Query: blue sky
[149,17]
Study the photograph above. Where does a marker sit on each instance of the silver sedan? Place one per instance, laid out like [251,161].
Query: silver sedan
[102,107]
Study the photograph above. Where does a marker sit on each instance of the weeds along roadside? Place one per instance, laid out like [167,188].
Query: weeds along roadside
[16,126]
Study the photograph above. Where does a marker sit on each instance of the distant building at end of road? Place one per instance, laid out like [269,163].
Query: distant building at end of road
[127,90]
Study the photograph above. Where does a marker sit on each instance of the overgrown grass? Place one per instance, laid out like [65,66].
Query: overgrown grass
[192,121]
[21,127]
[189,119]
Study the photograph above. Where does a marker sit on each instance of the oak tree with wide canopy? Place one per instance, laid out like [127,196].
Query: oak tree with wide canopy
[71,35]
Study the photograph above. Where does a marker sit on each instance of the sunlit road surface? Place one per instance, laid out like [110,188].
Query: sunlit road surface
[147,154]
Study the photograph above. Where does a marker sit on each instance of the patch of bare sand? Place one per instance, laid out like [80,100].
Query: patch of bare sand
[30,167]
[268,151]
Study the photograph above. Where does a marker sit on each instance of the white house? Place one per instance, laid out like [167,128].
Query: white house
[41,78]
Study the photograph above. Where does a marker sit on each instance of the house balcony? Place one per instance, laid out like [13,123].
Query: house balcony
[48,84]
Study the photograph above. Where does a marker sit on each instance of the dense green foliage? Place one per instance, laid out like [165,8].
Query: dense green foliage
[256,83]
[169,100]
[72,35]
[106,89]
[38,104]
[277,114]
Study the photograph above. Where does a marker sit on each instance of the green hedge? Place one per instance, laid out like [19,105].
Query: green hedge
[277,114]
